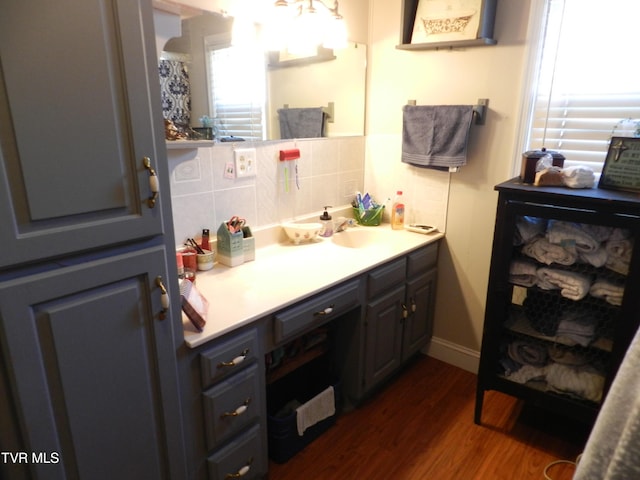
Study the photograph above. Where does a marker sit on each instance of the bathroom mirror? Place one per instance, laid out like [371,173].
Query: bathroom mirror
[334,81]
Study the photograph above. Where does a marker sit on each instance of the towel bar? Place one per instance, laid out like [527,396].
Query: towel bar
[479,110]
[329,110]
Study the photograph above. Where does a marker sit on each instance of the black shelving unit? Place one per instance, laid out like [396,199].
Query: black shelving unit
[560,348]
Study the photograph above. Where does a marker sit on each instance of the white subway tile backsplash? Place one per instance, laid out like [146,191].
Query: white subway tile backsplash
[324,191]
[239,201]
[325,157]
[192,213]
[329,172]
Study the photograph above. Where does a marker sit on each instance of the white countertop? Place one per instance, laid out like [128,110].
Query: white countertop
[283,274]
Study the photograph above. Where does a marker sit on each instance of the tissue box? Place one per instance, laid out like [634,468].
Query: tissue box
[230,246]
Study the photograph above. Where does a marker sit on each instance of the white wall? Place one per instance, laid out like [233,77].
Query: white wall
[462,203]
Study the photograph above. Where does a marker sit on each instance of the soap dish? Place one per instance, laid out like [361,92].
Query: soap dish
[418,228]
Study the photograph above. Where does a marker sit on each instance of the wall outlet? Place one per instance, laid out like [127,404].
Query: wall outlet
[245,159]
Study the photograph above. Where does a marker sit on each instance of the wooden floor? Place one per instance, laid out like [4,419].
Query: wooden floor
[421,427]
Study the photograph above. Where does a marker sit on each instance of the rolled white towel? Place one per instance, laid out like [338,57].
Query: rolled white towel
[528,228]
[584,382]
[577,326]
[607,290]
[527,373]
[582,237]
[572,285]
[578,177]
[597,258]
[545,252]
[619,247]
[523,272]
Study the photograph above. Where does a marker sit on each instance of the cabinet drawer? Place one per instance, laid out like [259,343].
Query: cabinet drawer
[228,356]
[422,260]
[386,277]
[316,311]
[232,405]
[244,457]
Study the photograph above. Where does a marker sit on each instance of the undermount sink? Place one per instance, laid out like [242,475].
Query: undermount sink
[358,237]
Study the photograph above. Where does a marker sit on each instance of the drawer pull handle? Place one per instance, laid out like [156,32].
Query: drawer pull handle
[154,187]
[242,472]
[238,411]
[239,359]
[326,311]
[164,298]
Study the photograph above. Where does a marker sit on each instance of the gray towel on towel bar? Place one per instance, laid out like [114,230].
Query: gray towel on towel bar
[301,122]
[436,136]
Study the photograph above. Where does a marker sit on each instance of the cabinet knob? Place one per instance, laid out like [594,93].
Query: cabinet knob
[154,187]
[164,298]
[237,360]
[326,311]
[242,472]
[414,306]
[238,411]
[405,311]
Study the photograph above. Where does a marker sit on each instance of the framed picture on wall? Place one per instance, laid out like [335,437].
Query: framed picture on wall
[621,169]
[433,24]
[446,20]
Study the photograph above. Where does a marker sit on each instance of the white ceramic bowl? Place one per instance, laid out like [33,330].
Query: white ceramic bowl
[302,232]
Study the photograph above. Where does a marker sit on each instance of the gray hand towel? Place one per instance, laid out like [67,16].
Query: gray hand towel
[436,136]
[301,122]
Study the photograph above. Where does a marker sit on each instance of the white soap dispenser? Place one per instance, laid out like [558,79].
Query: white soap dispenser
[327,223]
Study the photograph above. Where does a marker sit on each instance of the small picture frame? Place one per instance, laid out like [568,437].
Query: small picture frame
[621,170]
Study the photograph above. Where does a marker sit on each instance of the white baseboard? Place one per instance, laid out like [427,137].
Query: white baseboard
[453,354]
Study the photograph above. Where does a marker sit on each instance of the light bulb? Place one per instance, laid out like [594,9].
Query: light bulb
[335,34]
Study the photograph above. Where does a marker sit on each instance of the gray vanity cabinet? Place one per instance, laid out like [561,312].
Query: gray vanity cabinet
[88,373]
[383,322]
[78,96]
[418,324]
[226,408]
[399,313]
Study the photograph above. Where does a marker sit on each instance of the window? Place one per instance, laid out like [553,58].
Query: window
[237,89]
[586,87]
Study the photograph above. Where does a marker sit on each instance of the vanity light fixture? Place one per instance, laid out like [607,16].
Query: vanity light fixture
[299,25]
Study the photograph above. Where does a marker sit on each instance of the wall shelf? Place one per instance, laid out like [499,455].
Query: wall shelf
[485,29]
[188,144]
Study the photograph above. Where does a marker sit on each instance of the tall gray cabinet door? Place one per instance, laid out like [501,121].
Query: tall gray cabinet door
[92,370]
[79,111]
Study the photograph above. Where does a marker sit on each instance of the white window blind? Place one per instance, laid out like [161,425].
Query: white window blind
[588,79]
[238,91]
